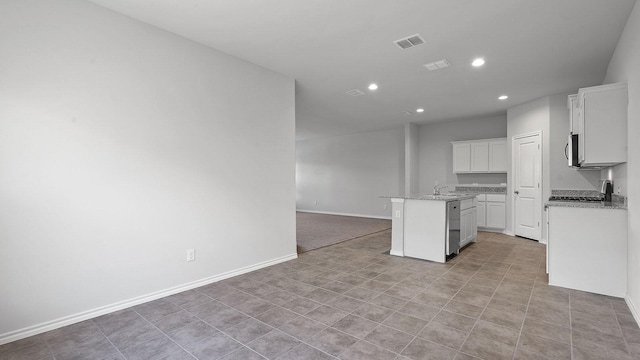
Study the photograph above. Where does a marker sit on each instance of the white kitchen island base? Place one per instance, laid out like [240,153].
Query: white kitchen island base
[425,229]
[419,226]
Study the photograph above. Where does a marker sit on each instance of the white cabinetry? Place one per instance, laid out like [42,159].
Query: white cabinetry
[587,249]
[496,211]
[574,115]
[468,222]
[599,118]
[498,155]
[461,157]
[481,210]
[480,156]
[424,223]
[492,213]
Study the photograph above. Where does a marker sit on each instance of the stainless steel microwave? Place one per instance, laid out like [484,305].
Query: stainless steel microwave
[571,151]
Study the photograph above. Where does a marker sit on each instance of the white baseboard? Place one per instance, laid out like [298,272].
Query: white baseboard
[345,214]
[89,314]
[396,253]
[633,309]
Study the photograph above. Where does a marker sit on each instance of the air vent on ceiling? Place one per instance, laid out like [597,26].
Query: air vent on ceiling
[409,41]
[355,92]
[436,65]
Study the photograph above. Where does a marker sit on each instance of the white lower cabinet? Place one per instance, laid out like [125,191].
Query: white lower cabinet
[496,215]
[492,211]
[481,210]
[474,226]
[468,222]
[587,249]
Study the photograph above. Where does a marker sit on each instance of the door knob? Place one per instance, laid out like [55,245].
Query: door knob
[516,192]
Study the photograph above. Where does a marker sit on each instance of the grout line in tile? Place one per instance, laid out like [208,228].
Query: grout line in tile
[624,338]
[163,333]
[570,326]
[53,355]
[526,311]
[442,308]
[485,308]
[106,337]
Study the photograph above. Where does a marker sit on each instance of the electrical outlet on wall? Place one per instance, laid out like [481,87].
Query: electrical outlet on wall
[191,254]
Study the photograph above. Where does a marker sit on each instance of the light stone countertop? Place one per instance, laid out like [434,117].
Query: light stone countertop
[442,197]
[587,205]
[617,204]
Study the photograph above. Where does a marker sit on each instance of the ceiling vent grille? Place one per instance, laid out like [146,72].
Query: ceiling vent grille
[437,65]
[355,92]
[409,41]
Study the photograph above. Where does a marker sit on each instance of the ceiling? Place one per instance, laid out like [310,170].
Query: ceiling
[532,48]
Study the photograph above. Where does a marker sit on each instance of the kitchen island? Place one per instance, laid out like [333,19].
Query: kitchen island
[423,228]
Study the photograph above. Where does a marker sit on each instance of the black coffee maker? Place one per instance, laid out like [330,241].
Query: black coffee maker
[606,188]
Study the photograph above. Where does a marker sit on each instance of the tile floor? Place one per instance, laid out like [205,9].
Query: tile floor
[351,301]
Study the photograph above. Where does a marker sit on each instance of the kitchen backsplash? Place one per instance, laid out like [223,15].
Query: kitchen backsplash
[575,193]
[481,188]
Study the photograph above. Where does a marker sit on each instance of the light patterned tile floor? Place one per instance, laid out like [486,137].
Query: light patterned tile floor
[352,301]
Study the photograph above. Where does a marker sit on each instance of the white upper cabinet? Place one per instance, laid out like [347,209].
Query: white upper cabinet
[498,155]
[599,118]
[480,156]
[574,115]
[461,157]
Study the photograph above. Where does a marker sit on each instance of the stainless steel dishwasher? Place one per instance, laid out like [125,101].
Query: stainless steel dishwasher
[453,227]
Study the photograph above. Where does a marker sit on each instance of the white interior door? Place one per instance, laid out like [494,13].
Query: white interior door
[527,165]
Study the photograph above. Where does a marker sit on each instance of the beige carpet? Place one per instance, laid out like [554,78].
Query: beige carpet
[314,231]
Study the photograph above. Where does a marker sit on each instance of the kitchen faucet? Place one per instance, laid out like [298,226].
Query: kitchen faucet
[436,189]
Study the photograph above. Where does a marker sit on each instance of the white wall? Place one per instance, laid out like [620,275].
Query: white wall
[524,119]
[122,146]
[411,158]
[562,176]
[347,174]
[436,151]
[625,67]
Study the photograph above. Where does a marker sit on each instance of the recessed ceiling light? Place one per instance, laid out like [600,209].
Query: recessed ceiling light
[503,97]
[478,62]
[420,110]
[373,86]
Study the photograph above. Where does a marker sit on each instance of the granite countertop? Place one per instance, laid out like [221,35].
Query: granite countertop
[442,197]
[587,204]
[618,203]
